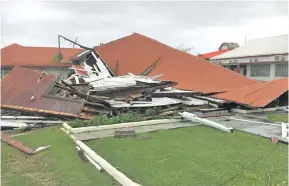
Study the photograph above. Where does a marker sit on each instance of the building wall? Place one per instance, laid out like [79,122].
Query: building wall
[261,61]
[264,78]
[60,72]
[253,59]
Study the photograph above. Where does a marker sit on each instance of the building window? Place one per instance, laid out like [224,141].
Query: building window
[260,70]
[281,70]
[278,58]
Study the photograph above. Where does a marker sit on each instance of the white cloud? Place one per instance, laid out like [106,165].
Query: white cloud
[204,25]
[30,11]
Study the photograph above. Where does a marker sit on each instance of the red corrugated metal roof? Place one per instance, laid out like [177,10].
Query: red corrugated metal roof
[137,52]
[213,54]
[21,84]
[15,54]
[80,70]
[256,95]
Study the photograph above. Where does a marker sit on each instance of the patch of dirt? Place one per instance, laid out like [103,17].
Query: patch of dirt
[32,167]
[40,178]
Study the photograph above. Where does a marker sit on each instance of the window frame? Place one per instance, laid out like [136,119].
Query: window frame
[257,71]
[283,72]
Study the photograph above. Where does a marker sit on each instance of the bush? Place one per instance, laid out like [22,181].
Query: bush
[123,118]
[151,112]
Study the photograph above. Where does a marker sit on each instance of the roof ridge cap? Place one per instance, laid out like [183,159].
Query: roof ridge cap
[266,37]
[117,39]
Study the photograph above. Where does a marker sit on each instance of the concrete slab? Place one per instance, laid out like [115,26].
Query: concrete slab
[264,130]
[138,129]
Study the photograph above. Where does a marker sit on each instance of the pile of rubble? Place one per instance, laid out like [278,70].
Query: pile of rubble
[93,89]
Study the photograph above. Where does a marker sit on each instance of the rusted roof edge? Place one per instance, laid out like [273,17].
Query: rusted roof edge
[21,108]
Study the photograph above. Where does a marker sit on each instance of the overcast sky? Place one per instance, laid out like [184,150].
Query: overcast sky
[204,25]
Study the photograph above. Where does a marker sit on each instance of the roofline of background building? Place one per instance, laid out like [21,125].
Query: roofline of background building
[254,63]
[240,57]
[37,46]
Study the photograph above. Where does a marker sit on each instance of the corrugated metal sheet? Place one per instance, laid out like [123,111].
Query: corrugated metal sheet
[22,89]
[136,53]
[258,94]
[213,54]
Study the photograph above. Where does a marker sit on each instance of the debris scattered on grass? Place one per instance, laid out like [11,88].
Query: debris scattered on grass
[21,146]
[93,95]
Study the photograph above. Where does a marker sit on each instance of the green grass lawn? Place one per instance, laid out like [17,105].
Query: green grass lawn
[188,156]
[196,156]
[279,117]
[59,165]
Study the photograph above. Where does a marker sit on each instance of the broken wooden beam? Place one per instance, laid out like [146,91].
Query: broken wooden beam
[85,96]
[196,119]
[68,85]
[19,145]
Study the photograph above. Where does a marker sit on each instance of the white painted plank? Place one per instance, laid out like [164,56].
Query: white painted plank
[155,102]
[117,175]
[12,124]
[35,121]
[194,118]
[212,99]
[21,117]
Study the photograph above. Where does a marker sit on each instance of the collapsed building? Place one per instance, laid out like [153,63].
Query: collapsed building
[136,72]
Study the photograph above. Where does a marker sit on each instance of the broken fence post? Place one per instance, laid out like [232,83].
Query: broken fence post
[194,118]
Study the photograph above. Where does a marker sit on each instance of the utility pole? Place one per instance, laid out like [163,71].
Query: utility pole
[73,45]
[245,38]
